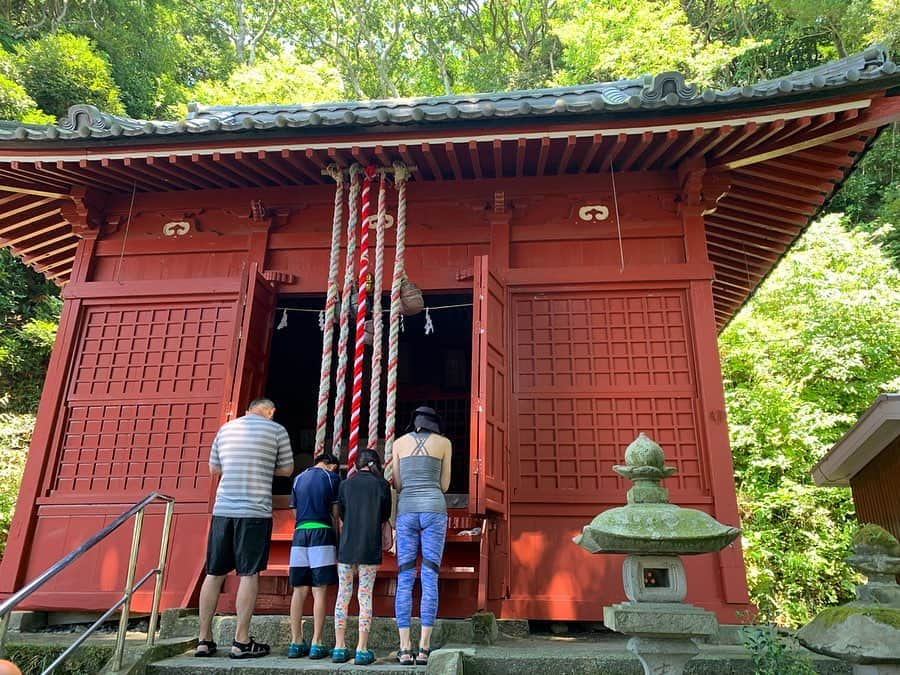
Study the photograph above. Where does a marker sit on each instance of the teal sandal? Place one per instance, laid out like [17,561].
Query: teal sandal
[364,658]
[340,655]
[317,652]
[297,650]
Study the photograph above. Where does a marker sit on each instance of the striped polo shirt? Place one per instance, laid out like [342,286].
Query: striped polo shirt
[248,450]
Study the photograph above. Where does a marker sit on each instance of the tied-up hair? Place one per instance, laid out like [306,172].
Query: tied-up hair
[369,459]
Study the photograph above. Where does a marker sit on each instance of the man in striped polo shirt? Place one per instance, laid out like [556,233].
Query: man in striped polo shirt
[246,453]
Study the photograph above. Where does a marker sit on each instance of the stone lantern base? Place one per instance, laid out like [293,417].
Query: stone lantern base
[661,632]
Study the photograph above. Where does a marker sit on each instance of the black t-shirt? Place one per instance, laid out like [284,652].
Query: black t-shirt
[364,503]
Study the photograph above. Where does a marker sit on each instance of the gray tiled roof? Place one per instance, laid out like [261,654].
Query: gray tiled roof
[666,91]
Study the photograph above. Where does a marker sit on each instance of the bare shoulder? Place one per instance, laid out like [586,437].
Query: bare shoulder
[443,445]
[402,445]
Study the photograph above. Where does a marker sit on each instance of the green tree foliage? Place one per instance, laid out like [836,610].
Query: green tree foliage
[60,70]
[801,361]
[278,79]
[29,311]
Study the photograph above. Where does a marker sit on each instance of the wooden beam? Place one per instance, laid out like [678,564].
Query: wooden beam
[105,177]
[812,169]
[732,249]
[180,179]
[57,275]
[36,233]
[36,193]
[298,165]
[566,155]
[146,183]
[476,161]
[450,149]
[746,132]
[42,178]
[383,156]
[662,145]
[767,199]
[825,156]
[406,155]
[137,165]
[284,170]
[821,121]
[335,156]
[56,251]
[27,207]
[43,244]
[638,148]
[431,161]
[881,112]
[590,154]
[263,173]
[684,145]
[360,156]
[613,152]
[58,263]
[711,141]
[313,157]
[778,236]
[521,148]
[747,239]
[808,191]
[757,219]
[185,165]
[33,219]
[497,147]
[764,132]
[217,169]
[772,175]
[542,156]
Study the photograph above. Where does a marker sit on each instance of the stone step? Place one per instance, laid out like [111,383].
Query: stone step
[277,664]
[275,630]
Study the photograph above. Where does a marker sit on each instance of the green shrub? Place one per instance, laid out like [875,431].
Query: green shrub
[62,70]
[15,434]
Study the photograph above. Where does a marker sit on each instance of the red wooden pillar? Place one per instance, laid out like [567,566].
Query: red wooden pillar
[699,195]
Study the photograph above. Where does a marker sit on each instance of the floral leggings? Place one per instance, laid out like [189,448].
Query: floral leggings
[363,595]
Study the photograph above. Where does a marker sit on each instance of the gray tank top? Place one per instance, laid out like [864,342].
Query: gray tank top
[420,477]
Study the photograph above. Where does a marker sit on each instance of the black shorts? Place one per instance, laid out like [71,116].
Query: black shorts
[314,557]
[240,544]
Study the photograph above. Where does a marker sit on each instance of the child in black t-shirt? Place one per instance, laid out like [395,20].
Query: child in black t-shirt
[364,505]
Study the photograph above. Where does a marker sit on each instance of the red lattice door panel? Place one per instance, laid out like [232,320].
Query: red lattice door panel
[144,398]
[258,299]
[592,369]
[488,446]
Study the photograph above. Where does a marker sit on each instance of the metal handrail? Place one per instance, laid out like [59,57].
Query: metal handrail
[124,602]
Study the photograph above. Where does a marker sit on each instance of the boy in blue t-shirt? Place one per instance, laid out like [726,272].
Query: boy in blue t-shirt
[314,499]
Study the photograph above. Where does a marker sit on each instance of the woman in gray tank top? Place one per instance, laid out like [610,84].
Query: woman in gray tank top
[422,457]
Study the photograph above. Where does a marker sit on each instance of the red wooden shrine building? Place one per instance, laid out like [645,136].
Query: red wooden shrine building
[602,235]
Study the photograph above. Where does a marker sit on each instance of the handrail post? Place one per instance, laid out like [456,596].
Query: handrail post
[4,627]
[129,582]
[161,571]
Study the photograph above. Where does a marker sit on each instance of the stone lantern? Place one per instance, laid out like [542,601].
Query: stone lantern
[655,534]
[865,632]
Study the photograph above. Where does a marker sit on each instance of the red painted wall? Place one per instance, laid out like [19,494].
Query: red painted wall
[610,332]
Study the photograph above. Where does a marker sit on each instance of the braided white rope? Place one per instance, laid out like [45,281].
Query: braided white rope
[340,394]
[330,301]
[377,324]
[401,174]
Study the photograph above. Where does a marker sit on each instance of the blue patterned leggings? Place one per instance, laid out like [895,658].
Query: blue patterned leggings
[431,529]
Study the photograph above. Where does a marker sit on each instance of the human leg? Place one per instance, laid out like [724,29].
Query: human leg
[434,532]
[209,598]
[219,562]
[341,607]
[245,601]
[298,599]
[407,551]
[364,596]
[320,608]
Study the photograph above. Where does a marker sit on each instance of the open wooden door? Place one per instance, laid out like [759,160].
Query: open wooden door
[254,339]
[488,446]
